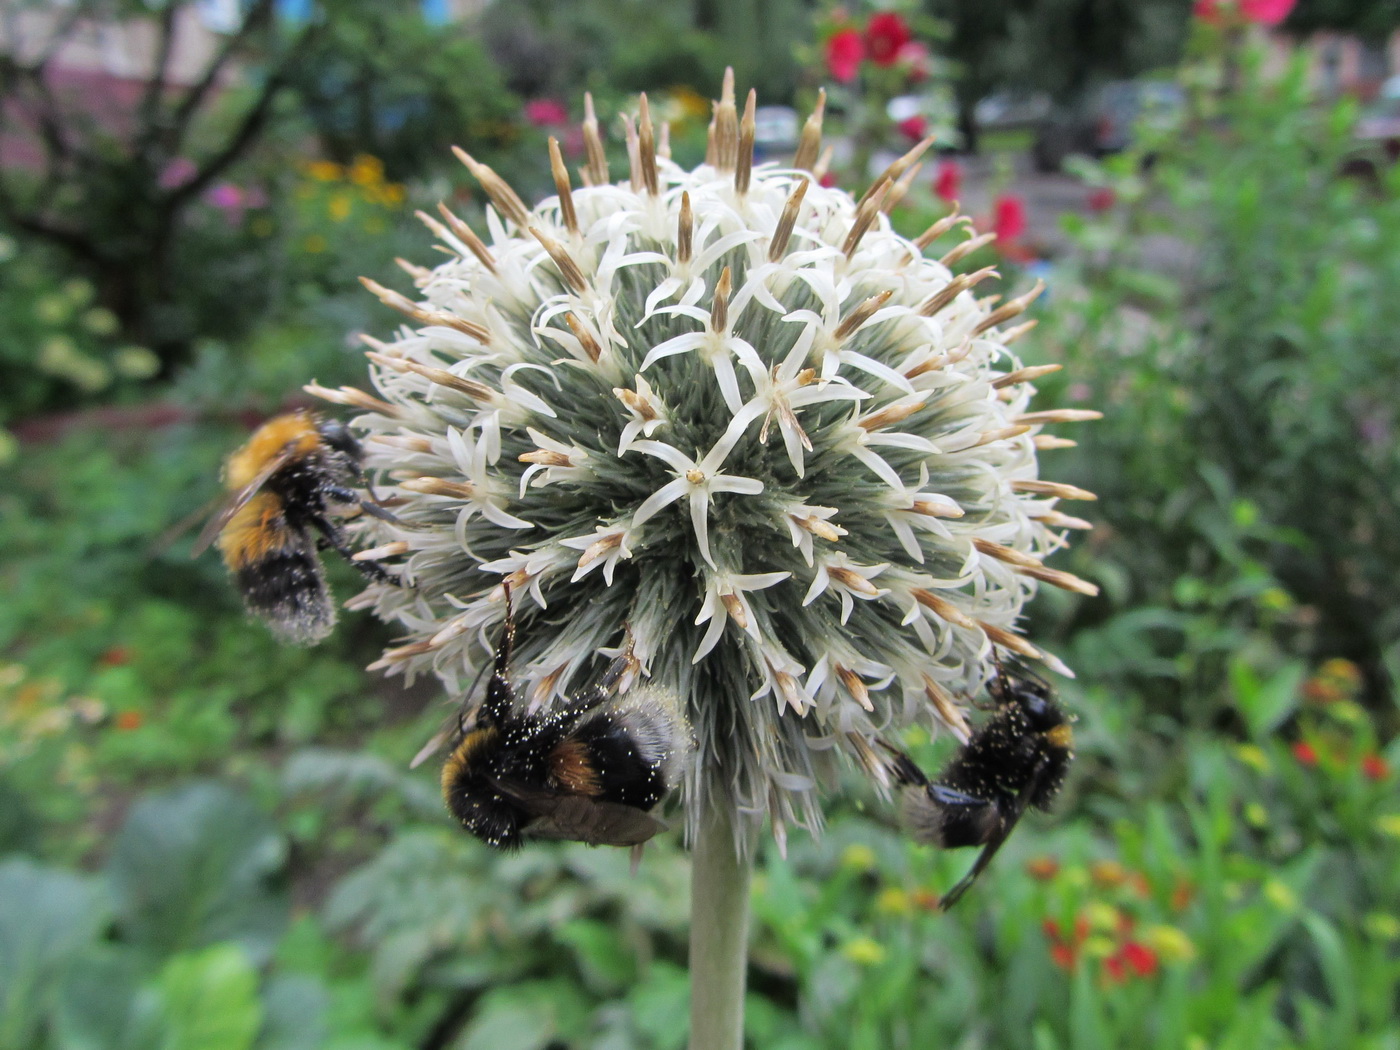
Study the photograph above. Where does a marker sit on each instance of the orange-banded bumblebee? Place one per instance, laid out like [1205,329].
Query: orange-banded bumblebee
[287,480]
[591,770]
[1017,759]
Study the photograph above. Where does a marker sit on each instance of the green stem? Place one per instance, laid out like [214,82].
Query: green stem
[719,936]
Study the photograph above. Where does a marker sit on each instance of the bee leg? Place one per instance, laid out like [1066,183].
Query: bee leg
[334,539]
[500,697]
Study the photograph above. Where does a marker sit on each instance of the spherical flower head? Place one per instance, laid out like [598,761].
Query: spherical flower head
[728,422]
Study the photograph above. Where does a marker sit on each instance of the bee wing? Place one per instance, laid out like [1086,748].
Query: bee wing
[1009,821]
[579,818]
[237,500]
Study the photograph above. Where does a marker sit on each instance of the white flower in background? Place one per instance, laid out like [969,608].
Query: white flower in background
[735,413]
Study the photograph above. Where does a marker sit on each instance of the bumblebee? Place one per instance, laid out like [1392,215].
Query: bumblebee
[294,473]
[1015,760]
[590,770]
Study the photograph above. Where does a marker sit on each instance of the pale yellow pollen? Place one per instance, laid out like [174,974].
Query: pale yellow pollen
[1059,415]
[735,608]
[1024,375]
[353,398]
[852,580]
[695,476]
[385,550]
[429,486]
[1052,488]
[547,457]
[470,387]
[584,336]
[596,550]
[855,685]
[638,403]
[818,527]
[943,608]
[967,247]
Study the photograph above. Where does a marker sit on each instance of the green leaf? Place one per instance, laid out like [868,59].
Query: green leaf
[193,867]
[1265,703]
[103,1006]
[48,917]
[294,1014]
[527,1016]
[211,1000]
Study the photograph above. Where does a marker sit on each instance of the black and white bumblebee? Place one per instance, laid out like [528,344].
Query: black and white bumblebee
[1015,760]
[591,769]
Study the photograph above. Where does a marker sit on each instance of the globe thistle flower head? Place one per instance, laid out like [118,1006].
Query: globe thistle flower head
[728,417]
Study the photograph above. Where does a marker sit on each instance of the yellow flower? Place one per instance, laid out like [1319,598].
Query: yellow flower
[1108,873]
[1170,943]
[393,193]
[864,951]
[858,856]
[1101,916]
[1099,947]
[367,170]
[338,207]
[323,170]
[1281,896]
[313,244]
[1389,824]
[892,901]
[1252,755]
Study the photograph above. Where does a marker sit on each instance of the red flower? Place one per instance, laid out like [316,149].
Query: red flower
[1101,199]
[844,51]
[1260,12]
[885,34]
[1009,217]
[1062,955]
[1051,928]
[1141,959]
[1374,767]
[948,182]
[827,180]
[1305,753]
[544,112]
[913,127]
[1266,12]
[1114,969]
[116,656]
[1042,869]
[129,720]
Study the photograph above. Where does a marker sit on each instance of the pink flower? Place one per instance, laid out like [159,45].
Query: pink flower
[178,172]
[225,196]
[1259,12]
[844,52]
[913,127]
[948,182]
[546,112]
[1266,12]
[885,34]
[1009,217]
[914,57]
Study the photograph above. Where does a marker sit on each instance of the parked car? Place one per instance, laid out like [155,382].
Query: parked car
[1105,120]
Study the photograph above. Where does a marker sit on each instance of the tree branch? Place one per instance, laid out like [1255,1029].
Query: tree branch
[257,15]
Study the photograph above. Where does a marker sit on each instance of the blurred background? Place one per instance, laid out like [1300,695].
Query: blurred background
[211,842]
